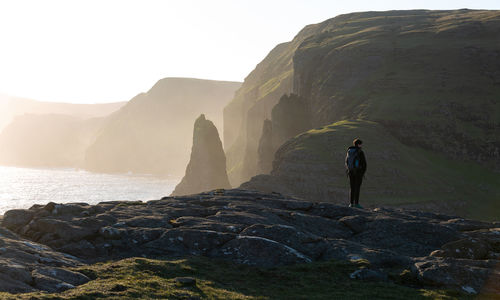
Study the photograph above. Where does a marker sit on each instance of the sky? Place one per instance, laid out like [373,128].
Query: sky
[111,50]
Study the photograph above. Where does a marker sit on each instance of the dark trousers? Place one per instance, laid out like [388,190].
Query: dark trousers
[355,180]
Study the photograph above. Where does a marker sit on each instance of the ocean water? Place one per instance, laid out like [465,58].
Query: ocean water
[23,187]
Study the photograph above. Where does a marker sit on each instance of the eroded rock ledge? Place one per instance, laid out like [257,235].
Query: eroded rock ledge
[269,229]
[26,266]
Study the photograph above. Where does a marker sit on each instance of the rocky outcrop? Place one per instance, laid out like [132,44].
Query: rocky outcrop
[26,266]
[207,167]
[269,229]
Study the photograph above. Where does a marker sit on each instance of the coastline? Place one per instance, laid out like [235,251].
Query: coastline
[24,187]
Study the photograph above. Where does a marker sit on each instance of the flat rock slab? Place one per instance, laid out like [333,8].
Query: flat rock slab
[27,266]
[265,229]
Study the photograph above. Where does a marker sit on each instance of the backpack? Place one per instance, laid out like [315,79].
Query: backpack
[353,159]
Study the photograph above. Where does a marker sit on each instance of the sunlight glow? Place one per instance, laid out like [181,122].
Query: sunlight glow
[107,51]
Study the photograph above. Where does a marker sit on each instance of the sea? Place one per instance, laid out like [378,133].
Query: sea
[23,187]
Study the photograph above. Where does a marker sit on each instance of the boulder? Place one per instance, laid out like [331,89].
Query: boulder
[463,274]
[464,248]
[16,218]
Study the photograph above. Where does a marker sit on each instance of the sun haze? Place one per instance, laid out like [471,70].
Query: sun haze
[107,51]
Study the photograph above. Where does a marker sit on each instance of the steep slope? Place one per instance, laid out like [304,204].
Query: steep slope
[430,78]
[206,169]
[152,133]
[47,140]
[311,166]
[288,118]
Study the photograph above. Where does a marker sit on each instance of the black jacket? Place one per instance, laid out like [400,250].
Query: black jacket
[362,159]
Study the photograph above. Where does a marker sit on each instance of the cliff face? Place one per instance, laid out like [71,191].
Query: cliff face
[151,134]
[288,118]
[45,134]
[207,167]
[11,107]
[311,166]
[48,140]
[266,148]
[251,105]
[431,78]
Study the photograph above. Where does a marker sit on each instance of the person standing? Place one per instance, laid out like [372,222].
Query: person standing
[355,163]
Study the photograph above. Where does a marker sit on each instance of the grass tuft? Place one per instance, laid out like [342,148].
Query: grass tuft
[142,278]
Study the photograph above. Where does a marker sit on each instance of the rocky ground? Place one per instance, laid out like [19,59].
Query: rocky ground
[263,229]
[26,266]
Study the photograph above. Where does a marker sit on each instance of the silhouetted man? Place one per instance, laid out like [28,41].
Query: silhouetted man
[355,164]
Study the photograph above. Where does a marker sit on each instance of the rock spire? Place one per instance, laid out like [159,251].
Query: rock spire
[207,167]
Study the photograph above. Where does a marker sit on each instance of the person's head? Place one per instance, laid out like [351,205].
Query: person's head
[357,142]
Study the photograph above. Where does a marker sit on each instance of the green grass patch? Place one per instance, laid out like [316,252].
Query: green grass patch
[141,278]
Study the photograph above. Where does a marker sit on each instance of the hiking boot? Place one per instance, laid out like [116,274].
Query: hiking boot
[358,206]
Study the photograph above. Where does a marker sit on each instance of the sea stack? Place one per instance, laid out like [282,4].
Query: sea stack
[207,167]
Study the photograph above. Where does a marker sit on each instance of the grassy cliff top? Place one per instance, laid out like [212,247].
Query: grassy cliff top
[397,174]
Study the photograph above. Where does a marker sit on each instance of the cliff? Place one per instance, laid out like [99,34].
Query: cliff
[47,140]
[430,78]
[288,118]
[152,133]
[266,148]
[11,107]
[47,134]
[206,169]
[311,166]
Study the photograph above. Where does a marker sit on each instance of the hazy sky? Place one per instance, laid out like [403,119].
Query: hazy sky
[106,51]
